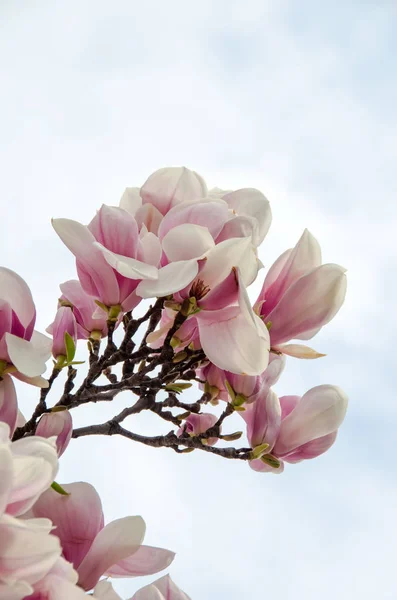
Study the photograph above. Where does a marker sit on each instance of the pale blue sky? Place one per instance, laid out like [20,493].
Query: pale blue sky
[299,100]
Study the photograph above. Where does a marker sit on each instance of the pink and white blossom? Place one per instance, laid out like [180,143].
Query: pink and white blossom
[196,424]
[161,589]
[90,319]
[300,295]
[94,549]
[57,424]
[23,351]
[64,322]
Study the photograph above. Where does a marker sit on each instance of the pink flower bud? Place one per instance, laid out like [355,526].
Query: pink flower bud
[64,322]
[57,424]
[88,316]
[300,295]
[196,424]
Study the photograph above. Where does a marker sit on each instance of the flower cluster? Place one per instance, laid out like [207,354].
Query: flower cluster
[194,252]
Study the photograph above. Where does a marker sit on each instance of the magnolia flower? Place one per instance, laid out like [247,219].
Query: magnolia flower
[64,322]
[23,351]
[196,424]
[94,549]
[57,424]
[222,322]
[300,295]
[291,428]
[162,589]
[91,320]
[112,231]
[27,549]
[247,387]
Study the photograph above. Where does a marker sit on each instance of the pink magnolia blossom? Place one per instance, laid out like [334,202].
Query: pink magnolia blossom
[94,549]
[23,351]
[64,322]
[27,549]
[91,320]
[57,424]
[300,295]
[294,428]
[246,386]
[196,424]
[162,589]
[112,232]
[222,323]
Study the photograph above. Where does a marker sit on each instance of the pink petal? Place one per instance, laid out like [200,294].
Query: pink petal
[149,249]
[78,518]
[17,294]
[147,560]
[319,412]
[149,592]
[173,185]
[309,303]
[97,277]
[64,322]
[16,590]
[116,229]
[312,449]
[222,258]
[118,540]
[211,215]
[150,217]
[288,403]
[263,418]
[224,294]
[58,424]
[8,403]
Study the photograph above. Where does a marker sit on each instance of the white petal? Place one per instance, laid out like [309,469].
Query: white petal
[128,267]
[171,279]
[24,356]
[131,200]
[187,241]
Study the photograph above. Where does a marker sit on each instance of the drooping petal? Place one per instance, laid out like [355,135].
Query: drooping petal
[172,278]
[126,266]
[319,412]
[96,275]
[78,518]
[24,356]
[187,241]
[147,560]
[8,403]
[118,540]
[299,351]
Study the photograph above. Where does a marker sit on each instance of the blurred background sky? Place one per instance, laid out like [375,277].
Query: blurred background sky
[299,100]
